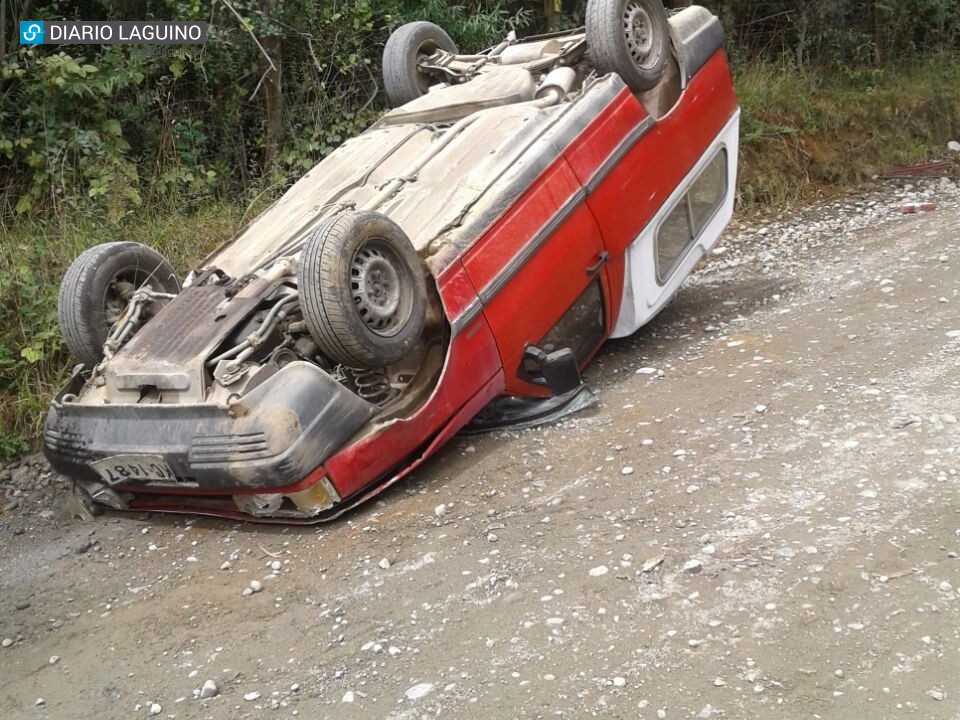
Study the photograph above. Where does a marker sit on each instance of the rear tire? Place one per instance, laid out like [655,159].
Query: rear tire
[630,38]
[96,288]
[363,293]
[405,47]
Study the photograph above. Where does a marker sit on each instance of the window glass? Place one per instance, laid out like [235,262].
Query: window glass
[708,191]
[580,329]
[672,239]
[691,215]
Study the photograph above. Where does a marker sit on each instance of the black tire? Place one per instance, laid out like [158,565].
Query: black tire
[630,38]
[362,290]
[402,80]
[96,287]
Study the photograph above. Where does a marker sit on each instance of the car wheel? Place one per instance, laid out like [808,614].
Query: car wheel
[98,286]
[630,38]
[405,48]
[362,288]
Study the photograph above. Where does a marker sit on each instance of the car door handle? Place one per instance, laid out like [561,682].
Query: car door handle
[604,256]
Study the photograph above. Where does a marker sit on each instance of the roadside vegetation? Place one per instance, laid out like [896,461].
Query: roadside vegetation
[179,147]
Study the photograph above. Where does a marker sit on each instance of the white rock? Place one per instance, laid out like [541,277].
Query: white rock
[256,586]
[7,642]
[652,563]
[692,566]
[384,564]
[54,659]
[251,696]
[226,565]
[953,334]
[393,651]
[691,489]
[209,689]
[418,691]
[647,371]
[760,409]
[155,709]
[937,694]
[599,571]
[619,682]
[628,470]
[440,510]
[348,697]
[276,565]
[954,146]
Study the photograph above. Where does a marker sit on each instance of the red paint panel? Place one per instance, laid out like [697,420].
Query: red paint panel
[532,302]
[474,405]
[637,187]
[472,363]
[592,146]
[501,243]
[456,290]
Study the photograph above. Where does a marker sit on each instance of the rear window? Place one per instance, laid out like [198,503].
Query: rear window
[691,215]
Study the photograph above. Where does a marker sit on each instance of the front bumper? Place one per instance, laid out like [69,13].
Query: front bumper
[276,435]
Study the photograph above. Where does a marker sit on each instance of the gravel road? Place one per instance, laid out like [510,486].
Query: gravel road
[760,520]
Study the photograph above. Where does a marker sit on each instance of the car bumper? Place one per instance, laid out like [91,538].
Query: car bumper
[272,438]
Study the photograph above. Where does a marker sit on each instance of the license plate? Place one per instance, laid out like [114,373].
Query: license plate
[121,469]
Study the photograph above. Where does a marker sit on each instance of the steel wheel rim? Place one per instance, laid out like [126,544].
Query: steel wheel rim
[638,30]
[375,286]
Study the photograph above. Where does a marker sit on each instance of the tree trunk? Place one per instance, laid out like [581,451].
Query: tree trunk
[272,99]
[272,45]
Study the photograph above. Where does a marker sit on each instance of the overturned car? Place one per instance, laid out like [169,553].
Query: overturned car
[458,263]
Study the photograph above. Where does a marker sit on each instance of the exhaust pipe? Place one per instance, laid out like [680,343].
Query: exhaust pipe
[555,86]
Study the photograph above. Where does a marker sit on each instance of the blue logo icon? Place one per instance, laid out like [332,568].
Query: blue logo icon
[31,32]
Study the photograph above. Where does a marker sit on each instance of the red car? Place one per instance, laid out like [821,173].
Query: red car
[458,263]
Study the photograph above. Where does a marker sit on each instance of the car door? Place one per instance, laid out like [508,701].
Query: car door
[539,273]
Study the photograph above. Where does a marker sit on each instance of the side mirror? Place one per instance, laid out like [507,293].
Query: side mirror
[558,369]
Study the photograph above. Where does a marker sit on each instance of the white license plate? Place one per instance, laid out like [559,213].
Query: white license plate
[120,469]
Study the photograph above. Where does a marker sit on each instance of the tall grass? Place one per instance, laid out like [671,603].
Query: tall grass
[807,133]
[33,257]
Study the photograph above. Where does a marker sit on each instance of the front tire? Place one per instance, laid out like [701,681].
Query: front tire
[97,287]
[406,47]
[363,292]
[630,38]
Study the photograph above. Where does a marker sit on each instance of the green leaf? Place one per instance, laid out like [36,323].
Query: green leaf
[32,353]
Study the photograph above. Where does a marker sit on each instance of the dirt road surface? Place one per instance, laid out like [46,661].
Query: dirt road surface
[760,520]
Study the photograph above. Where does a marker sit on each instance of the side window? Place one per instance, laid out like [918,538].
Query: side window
[581,328]
[691,215]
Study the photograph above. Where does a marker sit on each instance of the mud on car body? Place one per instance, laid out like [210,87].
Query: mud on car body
[458,263]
